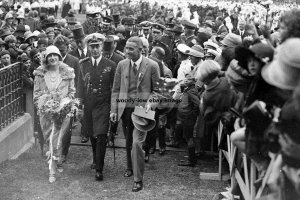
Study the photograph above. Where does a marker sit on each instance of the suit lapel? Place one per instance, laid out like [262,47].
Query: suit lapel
[141,71]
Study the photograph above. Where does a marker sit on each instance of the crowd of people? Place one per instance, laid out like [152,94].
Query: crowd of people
[231,62]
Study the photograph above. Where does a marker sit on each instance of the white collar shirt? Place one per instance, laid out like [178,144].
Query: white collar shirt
[138,62]
[97,60]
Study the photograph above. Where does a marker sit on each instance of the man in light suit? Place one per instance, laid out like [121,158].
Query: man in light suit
[135,78]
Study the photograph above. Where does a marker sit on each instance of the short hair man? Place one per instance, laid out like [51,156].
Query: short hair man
[135,78]
[95,82]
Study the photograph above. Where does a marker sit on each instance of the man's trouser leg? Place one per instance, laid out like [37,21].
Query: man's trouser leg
[138,154]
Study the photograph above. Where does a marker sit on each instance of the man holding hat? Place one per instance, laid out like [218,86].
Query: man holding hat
[95,83]
[135,79]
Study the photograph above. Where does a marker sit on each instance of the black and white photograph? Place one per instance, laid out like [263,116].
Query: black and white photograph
[149,99]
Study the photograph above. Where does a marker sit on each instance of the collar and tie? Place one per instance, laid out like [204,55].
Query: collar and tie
[95,63]
[134,68]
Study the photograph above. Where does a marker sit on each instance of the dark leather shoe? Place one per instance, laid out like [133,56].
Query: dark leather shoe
[187,164]
[93,166]
[128,173]
[99,176]
[137,186]
[152,150]
[146,158]
[84,139]
[162,151]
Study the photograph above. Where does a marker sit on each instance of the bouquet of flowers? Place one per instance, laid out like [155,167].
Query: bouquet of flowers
[56,108]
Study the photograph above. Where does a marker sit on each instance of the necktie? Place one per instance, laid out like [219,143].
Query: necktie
[134,68]
[95,63]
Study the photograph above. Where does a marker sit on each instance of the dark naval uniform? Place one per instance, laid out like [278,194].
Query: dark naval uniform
[95,83]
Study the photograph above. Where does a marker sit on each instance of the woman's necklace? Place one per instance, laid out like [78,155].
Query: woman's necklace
[53,75]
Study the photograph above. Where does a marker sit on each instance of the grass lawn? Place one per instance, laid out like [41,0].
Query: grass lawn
[27,178]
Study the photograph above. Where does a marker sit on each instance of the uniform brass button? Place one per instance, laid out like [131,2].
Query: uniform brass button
[94,90]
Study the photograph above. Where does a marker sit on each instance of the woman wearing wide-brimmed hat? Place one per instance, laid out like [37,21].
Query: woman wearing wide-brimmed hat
[250,62]
[53,77]
[8,22]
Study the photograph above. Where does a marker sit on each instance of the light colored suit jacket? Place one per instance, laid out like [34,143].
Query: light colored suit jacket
[146,85]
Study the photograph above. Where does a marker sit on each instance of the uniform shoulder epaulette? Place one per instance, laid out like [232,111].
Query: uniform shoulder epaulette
[83,60]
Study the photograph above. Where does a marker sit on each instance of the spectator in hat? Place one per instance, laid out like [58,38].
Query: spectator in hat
[196,54]
[217,98]
[50,34]
[185,66]
[68,33]
[158,54]
[107,28]
[109,50]
[189,32]
[20,19]
[129,27]
[26,48]
[71,21]
[187,112]
[91,24]
[120,32]
[5,58]
[29,38]
[11,47]
[81,51]
[157,34]
[146,33]
[8,22]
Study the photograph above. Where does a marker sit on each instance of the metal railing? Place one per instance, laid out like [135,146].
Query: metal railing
[11,94]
